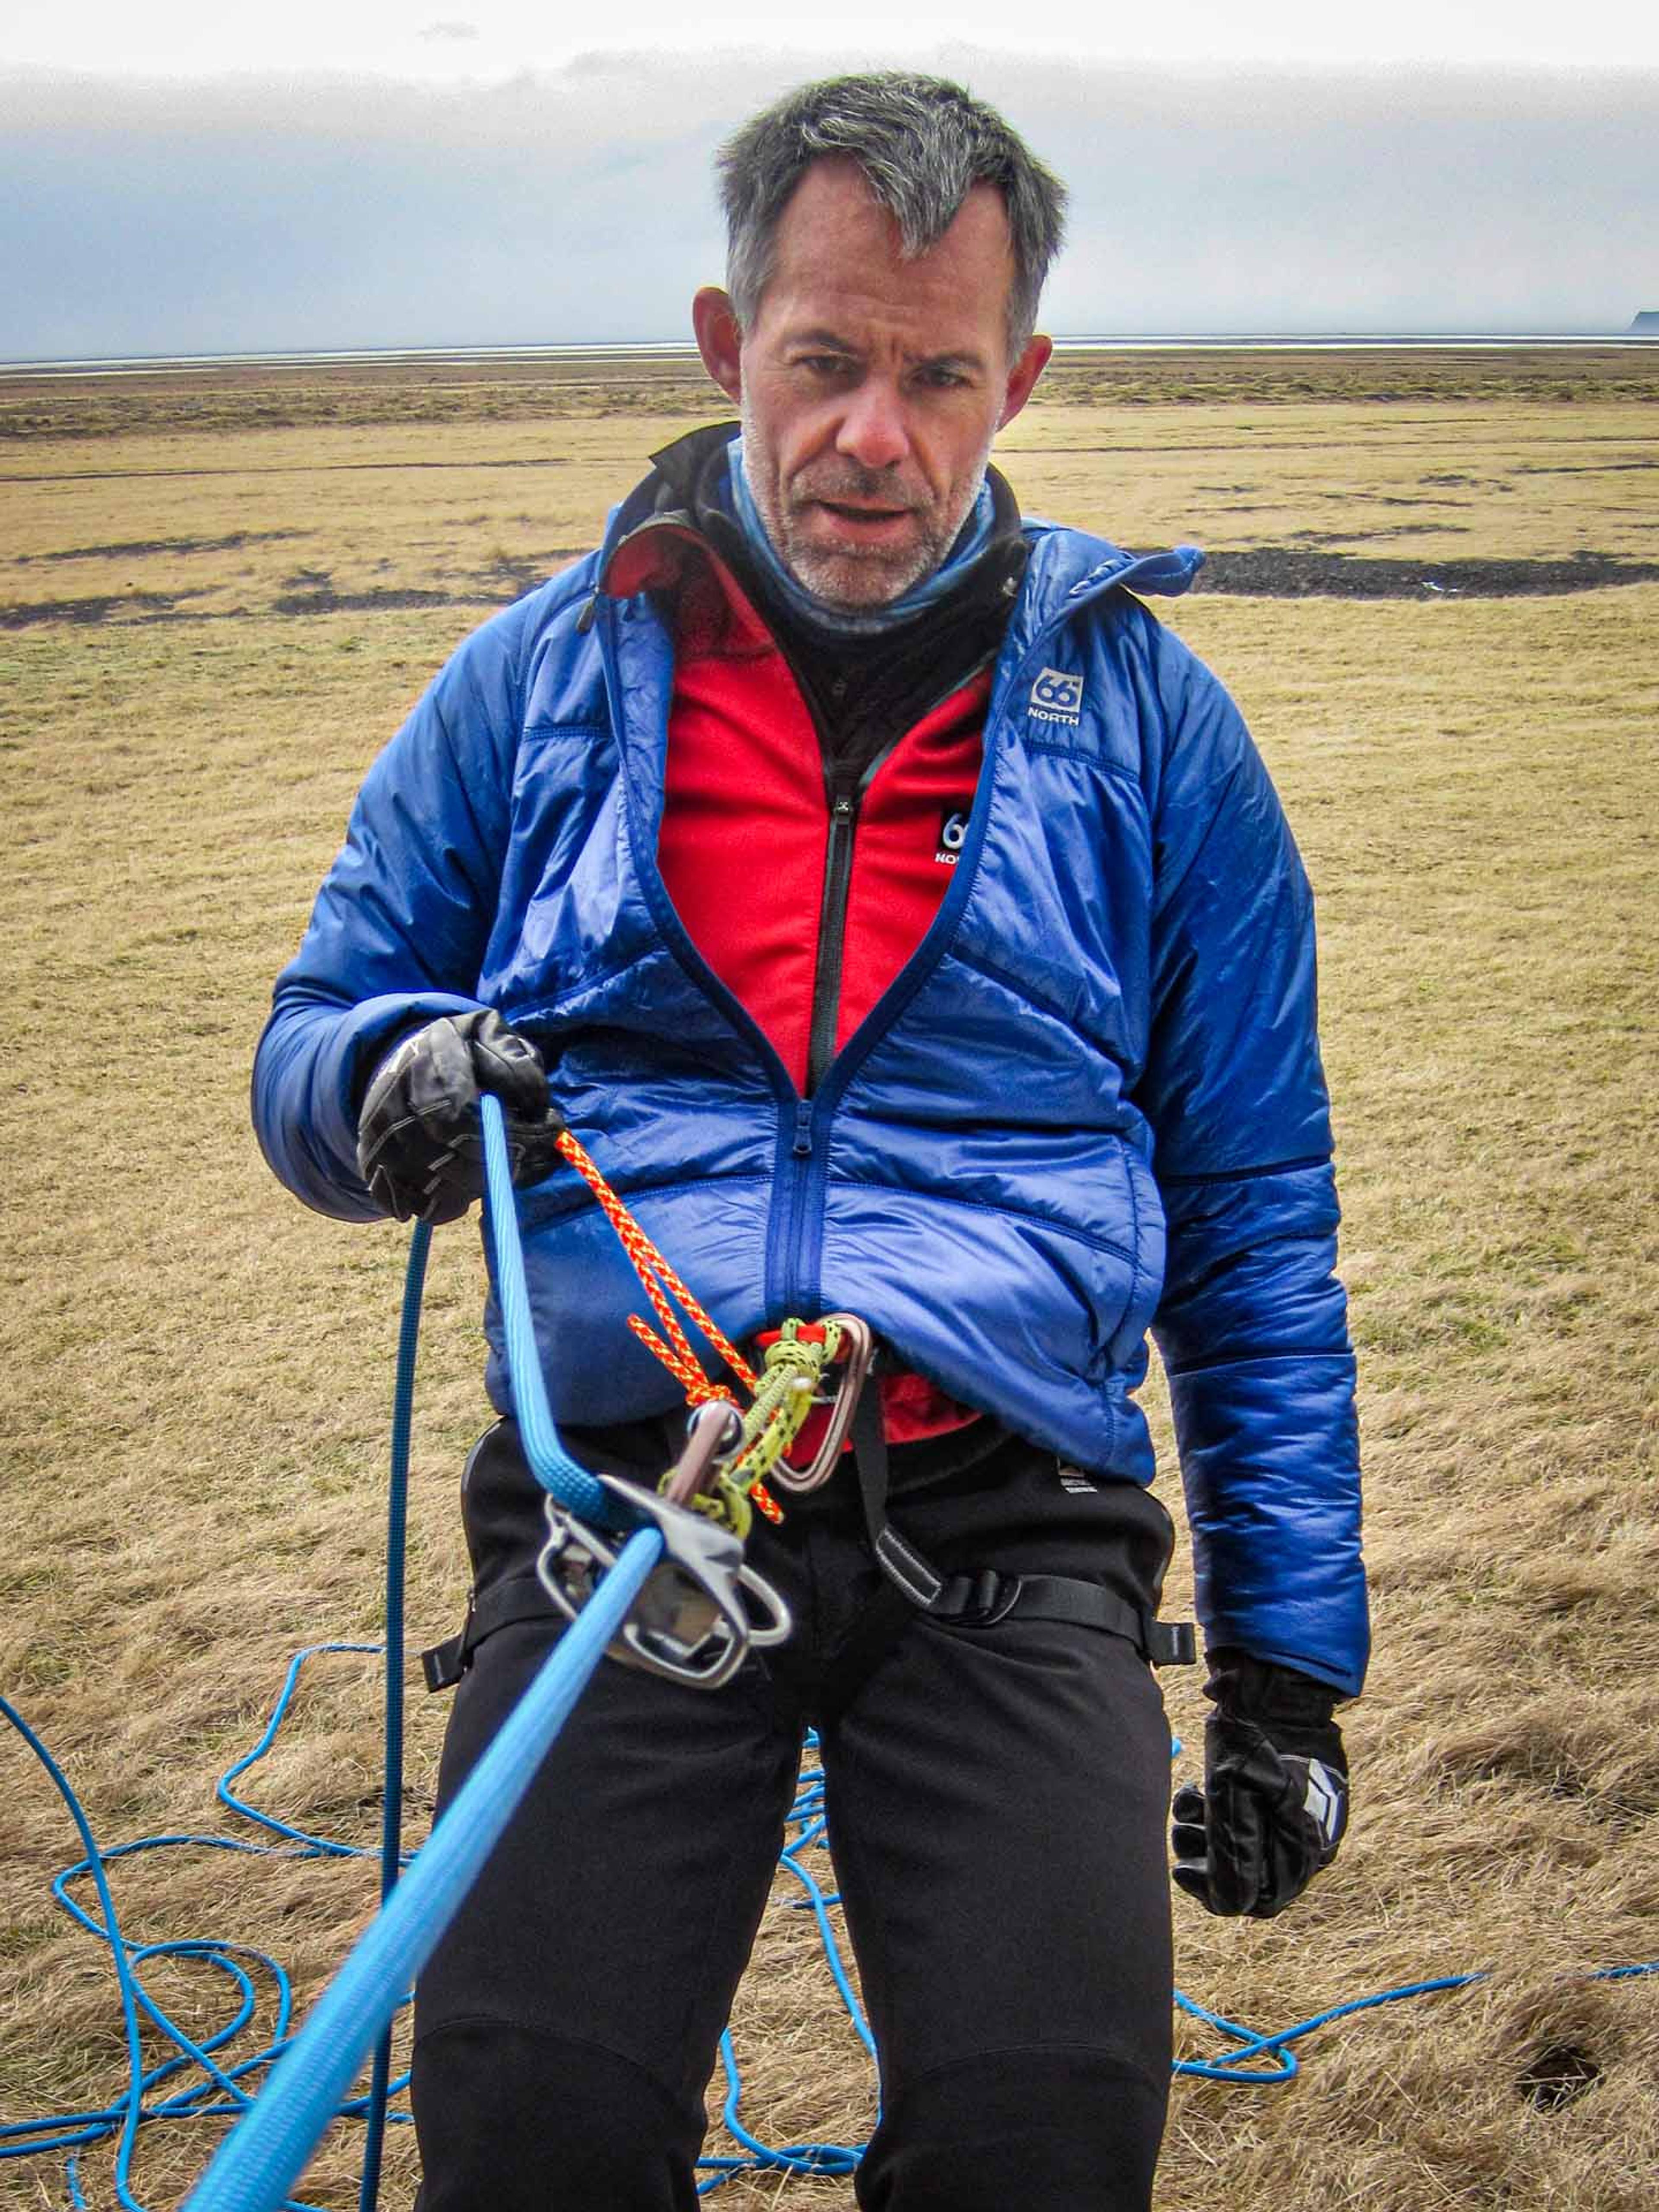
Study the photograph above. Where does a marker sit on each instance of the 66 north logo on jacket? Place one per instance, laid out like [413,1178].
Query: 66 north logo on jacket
[1057,697]
[953,830]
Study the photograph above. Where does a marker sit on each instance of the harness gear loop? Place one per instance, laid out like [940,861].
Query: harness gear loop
[693,1620]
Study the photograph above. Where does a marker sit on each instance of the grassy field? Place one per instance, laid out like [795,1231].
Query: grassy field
[217,597]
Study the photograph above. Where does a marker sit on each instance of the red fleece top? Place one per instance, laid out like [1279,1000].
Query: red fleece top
[744,844]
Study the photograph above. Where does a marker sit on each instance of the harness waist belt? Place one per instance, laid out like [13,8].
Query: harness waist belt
[980,1600]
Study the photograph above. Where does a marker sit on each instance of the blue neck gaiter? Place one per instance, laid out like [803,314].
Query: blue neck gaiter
[863,621]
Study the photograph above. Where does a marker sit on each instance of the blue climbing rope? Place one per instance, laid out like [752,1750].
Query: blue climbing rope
[221,2091]
[392,1794]
[265,2154]
[1257,2060]
[254,2168]
[133,2103]
[572,1486]
[806,1820]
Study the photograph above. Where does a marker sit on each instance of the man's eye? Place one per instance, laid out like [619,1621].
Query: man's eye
[940,379]
[824,364]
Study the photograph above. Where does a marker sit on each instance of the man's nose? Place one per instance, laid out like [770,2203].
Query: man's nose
[874,431]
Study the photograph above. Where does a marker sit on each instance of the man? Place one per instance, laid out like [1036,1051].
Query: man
[911,923]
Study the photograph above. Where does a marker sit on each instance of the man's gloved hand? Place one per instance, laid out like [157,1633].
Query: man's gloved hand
[1274,1803]
[420,1145]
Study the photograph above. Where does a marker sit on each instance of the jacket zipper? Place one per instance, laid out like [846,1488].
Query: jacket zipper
[788,1246]
[844,798]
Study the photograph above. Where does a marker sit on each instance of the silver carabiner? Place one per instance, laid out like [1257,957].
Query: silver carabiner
[691,1621]
[858,1350]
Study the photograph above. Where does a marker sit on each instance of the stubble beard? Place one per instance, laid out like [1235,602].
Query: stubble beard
[852,579]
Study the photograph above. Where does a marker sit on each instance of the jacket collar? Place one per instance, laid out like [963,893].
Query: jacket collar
[1066,569]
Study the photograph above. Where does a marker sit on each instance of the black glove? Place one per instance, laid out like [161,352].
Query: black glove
[420,1142]
[1274,1803]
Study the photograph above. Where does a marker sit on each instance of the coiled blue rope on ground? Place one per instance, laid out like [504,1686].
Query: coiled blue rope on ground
[220,2092]
[806,1820]
[1259,2059]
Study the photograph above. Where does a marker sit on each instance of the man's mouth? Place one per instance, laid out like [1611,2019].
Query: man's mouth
[865,520]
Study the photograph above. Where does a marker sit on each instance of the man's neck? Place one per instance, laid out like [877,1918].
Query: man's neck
[971,541]
[864,686]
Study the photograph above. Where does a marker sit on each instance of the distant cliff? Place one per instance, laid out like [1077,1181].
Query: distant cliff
[1646,325]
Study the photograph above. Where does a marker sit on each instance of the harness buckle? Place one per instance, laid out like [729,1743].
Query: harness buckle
[693,1621]
[856,1351]
[977,1601]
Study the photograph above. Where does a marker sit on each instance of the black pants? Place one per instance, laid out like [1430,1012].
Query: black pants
[996,1799]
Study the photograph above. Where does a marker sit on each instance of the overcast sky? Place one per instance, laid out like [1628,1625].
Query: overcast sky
[184,178]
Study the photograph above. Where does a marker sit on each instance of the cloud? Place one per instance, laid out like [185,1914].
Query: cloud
[577,204]
[458,30]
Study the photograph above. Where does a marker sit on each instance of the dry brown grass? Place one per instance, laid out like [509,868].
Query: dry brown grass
[195,1372]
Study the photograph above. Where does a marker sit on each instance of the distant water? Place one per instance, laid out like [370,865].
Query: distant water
[1171,341]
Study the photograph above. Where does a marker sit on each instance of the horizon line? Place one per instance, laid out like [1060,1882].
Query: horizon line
[672,348]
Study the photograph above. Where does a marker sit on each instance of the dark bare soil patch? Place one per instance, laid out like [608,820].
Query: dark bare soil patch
[1371,537]
[152,606]
[1290,572]
[130,548]
[1275,572]
[1558,2077]
[1584,468]
[389,601]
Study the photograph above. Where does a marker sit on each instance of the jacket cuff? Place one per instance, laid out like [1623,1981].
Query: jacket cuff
[1269,1459]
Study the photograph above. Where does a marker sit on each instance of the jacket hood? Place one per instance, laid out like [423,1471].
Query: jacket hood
[1068,567]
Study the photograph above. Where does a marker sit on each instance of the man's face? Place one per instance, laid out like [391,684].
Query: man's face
[870,387]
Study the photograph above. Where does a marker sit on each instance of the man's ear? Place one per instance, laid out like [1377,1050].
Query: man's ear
[720,339]
[1025,373]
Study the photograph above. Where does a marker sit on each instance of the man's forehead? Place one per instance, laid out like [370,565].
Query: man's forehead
[834,195]
[837,244]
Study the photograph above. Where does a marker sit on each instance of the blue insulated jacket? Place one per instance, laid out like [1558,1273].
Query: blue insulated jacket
[1091,1101]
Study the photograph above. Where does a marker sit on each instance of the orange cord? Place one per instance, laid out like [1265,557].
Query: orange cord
[660,1282]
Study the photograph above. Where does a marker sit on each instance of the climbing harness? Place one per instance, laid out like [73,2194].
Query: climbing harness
[730,1457]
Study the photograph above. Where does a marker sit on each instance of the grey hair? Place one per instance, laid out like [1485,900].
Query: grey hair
[922,143]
